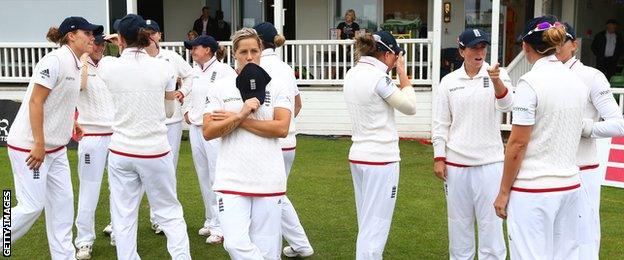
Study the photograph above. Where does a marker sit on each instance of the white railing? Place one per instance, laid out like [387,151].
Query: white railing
[518,67]
[316,62]
[617,92]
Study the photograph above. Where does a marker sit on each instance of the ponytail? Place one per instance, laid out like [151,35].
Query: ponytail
[365,45]
[554,38]
[142,39]
[55,36]
[220,53]
[279,40]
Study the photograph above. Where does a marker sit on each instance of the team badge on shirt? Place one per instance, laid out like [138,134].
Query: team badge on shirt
[213,77]
[267,98]
[486,82]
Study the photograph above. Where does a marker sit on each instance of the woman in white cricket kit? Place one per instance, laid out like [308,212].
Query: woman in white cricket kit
[371,98]
[207,55]
[184,74]
[292,230]
[468,149]
[539,192]
[601,105]
[42,128]
[95,108]
[139,152]
[249,112]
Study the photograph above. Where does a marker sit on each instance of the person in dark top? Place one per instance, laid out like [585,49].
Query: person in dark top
[204,25]
[349,26]
[608,46]
[222,30]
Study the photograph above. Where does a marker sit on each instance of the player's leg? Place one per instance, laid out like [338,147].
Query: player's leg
[174,136]
[292,230]
[486,183]
[530,219]
[59,208]
[235,216]
[212,151]
[566,236]
[264,231]
[460,209]
[200,160]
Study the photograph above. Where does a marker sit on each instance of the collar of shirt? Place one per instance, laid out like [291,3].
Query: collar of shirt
[544,61]
[571,62]
[76,59]
[91,62]
[268,52]
[205,66]
[482,72]
[372,61]
[132,51]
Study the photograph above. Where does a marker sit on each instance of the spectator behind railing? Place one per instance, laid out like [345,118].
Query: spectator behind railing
[221,28]
[349,26]
[608,46]
[204,25]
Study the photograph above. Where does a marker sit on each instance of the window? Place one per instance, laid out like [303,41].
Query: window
[366,13]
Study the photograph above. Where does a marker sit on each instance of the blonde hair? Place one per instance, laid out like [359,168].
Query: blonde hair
[554,37]
[351,12]
[365,45]
[243,34]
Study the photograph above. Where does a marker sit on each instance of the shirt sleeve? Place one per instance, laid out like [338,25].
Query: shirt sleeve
[525,103]
[46,72]
[385,87]
[283,97]
[185,72]
[213,101]
[441,124]
[602,99]
[504,103]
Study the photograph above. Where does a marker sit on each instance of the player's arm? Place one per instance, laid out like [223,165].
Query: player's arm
[604,102]
[502,88]
[186,73]
[298,104]
[276,128]
[441,126]
[35,112]
[403,98]
[215,127]
[523,121]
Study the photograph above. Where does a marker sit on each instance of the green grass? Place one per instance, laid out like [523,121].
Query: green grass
[321,189]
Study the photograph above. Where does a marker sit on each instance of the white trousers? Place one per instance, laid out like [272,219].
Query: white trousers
[48,188]
[471,192]
[376,188]
[292,230]
[92,159]
[251,226]
[543,226]
[589,232]
[174,136]
[126,176]
[205,155]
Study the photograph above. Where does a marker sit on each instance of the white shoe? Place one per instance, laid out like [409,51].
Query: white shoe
[290,252]
[214,239]
[156,228]
[204,231]
[84,252]
[108,229]
[112,240]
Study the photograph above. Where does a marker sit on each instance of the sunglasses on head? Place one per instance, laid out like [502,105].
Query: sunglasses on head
[543,26]
[378,40]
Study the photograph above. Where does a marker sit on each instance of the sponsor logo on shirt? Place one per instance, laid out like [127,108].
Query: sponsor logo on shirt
[394,192]
[70,78]
[604,92]
[456,88]
[45,73]
[252,83]
[232,99]
[520,109]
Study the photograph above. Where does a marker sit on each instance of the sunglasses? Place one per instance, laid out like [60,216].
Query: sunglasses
[378,40]
[543,26]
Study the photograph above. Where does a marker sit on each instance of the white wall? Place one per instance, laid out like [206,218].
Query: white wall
[324,112]
[178,16]
[312,19]
[29,21]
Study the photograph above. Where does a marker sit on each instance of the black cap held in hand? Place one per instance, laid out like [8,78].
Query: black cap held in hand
[252,82]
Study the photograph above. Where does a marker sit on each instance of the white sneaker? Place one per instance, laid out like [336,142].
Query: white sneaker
[112,240]
[156,228]
[108,229]
[84,252]
[204,231]
[290,252]
[214,239]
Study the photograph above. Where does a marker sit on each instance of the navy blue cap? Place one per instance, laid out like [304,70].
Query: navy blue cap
[386,42]
[129,26]
[204,40]
[570,34]
[152,25]
[266,31]
[536,37]
[252,82]
[471,37]
[99,39]
[73,23]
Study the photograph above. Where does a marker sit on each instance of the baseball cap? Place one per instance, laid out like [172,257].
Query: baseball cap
[471,37]
[152,25]
[99,39]
[204,40]
[252,82]
[266,31]
[73,23]
[570,34]
[129,25]
[385,41]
